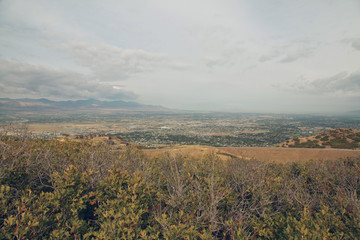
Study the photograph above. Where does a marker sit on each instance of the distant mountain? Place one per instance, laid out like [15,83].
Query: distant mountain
[342,138]
[45,105]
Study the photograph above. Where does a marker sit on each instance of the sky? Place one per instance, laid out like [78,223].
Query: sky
[299,56]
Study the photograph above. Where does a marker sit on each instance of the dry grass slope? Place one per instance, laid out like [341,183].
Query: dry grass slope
[274,154]
[341,138]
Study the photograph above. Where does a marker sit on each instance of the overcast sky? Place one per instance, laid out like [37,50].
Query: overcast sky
[223,55]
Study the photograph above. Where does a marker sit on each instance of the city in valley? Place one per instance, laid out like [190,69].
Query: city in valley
[159,129]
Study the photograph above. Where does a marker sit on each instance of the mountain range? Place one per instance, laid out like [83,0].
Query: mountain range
[43,104]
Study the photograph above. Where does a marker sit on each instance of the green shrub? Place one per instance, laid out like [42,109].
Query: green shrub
[67,190]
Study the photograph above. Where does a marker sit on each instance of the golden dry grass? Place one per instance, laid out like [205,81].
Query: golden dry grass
[273,154]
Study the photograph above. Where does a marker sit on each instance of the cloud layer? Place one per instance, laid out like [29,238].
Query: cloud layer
[345,84]
[19,79]
[111,63]
[248,55]
[356,44]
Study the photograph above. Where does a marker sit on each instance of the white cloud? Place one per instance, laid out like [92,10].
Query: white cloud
[112,63]
[273,54]
[295,55]
[287,53]
[227,57]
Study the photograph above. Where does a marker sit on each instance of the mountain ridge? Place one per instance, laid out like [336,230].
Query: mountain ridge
[43,104]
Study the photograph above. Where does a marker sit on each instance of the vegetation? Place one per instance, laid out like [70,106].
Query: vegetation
[307,144]
[84,190]
[341,138]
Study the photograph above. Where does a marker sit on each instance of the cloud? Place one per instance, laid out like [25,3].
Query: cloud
[19,79]
[216,61]
[286,54]
[112,63]
[270,56]
[356,44]
[227,57]
[346,84]
[295,55]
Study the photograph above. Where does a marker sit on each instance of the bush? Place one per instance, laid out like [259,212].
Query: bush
[77,190]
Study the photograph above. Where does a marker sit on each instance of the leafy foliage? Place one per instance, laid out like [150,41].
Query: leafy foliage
[80,190]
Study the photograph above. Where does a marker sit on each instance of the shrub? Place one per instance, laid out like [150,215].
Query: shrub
[78,190]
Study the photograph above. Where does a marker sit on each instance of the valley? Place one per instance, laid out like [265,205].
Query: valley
[159,129]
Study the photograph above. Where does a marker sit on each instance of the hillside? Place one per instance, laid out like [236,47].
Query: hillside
[84,189]
[269,154]
[342,138]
